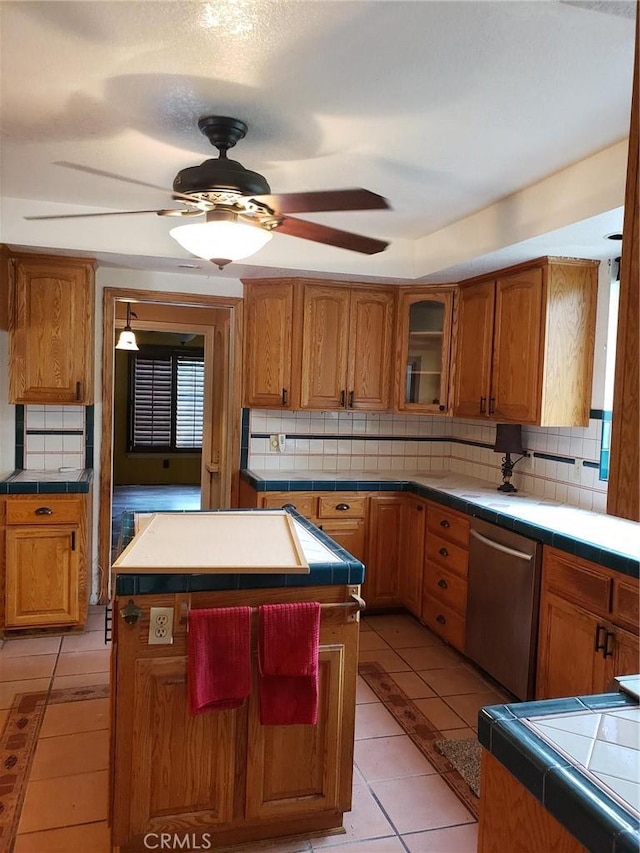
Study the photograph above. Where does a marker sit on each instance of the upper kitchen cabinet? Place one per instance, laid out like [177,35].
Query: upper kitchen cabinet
[347,348]
[271,338]
[51,343]
[525,341]
[424,338]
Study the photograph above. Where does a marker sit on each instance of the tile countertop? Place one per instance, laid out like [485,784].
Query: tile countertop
[32,482]
[580,758]
[604,539]
[328,564]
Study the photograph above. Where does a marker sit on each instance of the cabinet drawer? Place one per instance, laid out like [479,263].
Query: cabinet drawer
[445,622]
[626,603]
[448,589]
[44,510]
[447,555]
[448,523]
[305,504]
[342,506]
[577,581]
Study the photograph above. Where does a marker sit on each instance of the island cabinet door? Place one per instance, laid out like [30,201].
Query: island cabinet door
[181,767]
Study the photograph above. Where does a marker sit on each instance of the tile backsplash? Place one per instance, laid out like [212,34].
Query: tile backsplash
[52,437]
[345,441]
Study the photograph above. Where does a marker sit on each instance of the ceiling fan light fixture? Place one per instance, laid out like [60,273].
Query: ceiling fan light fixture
[221,239]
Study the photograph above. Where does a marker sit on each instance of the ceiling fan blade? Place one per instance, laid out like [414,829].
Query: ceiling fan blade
[312,202]
[102,174]
[112,213]
[330,236]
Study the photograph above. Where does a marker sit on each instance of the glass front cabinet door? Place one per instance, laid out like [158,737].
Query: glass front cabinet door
[425,338]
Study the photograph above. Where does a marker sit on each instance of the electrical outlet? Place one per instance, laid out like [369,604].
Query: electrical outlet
[161,626]
[577,470]
[274,442]
[282,441]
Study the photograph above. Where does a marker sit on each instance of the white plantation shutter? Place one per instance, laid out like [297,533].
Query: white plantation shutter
[167,396]
[189,401]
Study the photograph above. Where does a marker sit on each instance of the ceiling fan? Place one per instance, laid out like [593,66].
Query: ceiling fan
[240,211]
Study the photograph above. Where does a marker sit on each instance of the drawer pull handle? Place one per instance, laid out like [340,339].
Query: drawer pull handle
[492,405]
[599,644]
[607,652]
[43,510]
[343,397]
[351,396]
[284,396]
[441,620]
[443,584]
[483,405]
[78,390]
[443,552]
[444,523]
[343,507]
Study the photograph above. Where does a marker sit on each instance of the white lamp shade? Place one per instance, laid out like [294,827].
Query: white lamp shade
[127,340]
[226,240]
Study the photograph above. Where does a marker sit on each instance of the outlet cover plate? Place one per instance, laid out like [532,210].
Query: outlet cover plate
[161,626]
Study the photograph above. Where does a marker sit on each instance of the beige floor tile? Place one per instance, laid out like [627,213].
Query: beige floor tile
[364,694]
[95,622]
[65,801]
[9,689]
[23,668]
[30,646]
[375,721]
[439,714]
[388,659]
[454,680]
[390,758]
[89,641]
[69,717]
[89,679]
[413,685]
[419,803]
[65,755]
[458,734]
[4,713]
[389,620]
[364,627]
[78,663]
[409,636]
[468,706]
[86,838]
[454,839]
[371,845]
[371,640]
[365,820]
[296,846]
[430,657]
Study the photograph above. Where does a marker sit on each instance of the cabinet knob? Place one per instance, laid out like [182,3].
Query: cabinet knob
[441,620]
[43,510]
[419,507]
[442,583]
[444,523]
[441,408]
[443,552]
[343,507]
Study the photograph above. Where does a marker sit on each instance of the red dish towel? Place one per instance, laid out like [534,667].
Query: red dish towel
[288,642]
[219,658]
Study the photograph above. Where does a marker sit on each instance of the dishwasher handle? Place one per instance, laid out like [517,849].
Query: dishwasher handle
[520,555]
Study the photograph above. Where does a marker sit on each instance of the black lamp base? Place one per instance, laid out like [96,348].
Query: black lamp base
[507,487]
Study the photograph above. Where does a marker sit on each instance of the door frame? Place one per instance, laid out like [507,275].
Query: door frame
[231,401]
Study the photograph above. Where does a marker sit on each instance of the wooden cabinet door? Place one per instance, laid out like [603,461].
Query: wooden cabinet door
[626,654]
[350,534]
[568,663]
[269,329]
[370,350]
[515,378]
[42,580]
[473,350]
[325,334]
[424,338]
[51,332]
[411,569]
[182,767]
[310,780]
[381,586]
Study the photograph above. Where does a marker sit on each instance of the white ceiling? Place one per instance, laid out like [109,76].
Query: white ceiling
[444,108]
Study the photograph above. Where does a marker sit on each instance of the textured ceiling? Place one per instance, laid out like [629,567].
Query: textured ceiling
[442,107]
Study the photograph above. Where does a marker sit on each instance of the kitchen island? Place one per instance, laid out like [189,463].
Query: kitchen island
[222,778]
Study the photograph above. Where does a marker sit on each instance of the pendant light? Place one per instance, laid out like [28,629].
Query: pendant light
[127,339]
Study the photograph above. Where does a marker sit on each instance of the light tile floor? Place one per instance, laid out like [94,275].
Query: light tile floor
[399,801]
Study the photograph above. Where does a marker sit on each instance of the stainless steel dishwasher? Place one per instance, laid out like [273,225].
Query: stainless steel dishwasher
[502,606]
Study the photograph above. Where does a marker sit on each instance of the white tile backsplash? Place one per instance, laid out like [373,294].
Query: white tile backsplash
[62,448]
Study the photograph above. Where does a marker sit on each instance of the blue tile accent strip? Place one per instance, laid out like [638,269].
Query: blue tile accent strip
[89,441]
[244,438]
[19,462]
[54,432]
[584,809]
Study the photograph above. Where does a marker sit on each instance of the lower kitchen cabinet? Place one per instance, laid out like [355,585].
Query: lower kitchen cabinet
[223,774]
[384,548]
[46,559]
[414,525]
[587,629]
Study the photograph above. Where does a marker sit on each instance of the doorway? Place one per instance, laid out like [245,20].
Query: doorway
[217,323]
